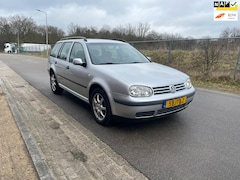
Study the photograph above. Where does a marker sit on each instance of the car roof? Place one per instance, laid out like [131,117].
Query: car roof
[90,40]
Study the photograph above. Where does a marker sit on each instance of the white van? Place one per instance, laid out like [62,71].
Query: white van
[9,48]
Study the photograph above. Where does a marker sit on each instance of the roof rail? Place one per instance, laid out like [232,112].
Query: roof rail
[119,39]
[74,37]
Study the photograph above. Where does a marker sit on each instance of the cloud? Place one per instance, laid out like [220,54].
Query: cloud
[85,16]
[188,18]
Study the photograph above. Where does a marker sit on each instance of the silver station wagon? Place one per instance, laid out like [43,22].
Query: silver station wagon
[116,79]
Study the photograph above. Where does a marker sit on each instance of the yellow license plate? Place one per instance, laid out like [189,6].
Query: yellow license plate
[175,102]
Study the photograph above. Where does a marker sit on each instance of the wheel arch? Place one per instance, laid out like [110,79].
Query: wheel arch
[104,88]
[51,71]
[94,86]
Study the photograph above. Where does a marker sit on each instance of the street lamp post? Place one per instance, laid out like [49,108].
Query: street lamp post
[46,28]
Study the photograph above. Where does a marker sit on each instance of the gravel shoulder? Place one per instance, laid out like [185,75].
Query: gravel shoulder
[15,160]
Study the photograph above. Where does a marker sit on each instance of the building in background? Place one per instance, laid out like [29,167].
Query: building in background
[26,48]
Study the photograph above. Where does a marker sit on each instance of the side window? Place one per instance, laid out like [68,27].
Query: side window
[64,52]
[77,52]
[55,49]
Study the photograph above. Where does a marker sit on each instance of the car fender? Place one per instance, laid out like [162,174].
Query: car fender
[107,85]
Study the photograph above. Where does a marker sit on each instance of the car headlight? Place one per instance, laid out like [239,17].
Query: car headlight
[140,91]
[188,84]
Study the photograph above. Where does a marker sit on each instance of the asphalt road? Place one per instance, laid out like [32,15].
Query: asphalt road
[201,142]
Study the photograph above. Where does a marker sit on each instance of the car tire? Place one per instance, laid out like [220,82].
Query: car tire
[100,106]
[56,89]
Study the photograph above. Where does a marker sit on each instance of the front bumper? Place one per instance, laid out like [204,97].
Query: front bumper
[150,109]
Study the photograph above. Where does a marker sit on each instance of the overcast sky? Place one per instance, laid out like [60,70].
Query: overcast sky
[186,17]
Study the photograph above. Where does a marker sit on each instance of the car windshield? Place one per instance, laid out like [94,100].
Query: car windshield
[115,53]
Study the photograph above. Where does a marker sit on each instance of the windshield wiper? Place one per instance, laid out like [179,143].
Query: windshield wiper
[108,63]
[136,62]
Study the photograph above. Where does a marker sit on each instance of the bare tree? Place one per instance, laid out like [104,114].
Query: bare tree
[211,53]
[55,34]
[142,29]
[74,29]
[130,30]
[228,33]
[105,32]
[23,27]
[225,33]
[6,33]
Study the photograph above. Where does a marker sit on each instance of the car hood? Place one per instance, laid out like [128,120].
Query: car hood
[149,74]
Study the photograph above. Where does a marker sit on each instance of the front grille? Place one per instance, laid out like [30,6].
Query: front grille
[166,89]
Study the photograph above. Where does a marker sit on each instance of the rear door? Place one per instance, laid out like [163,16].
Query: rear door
[61,64]
[54,53]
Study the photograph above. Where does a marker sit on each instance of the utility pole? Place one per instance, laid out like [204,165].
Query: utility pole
[46,28]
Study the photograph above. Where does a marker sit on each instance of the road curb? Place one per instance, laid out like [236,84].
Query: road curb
[41,166]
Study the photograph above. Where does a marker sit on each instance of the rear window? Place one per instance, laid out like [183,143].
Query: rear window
[64,51]
[55,49]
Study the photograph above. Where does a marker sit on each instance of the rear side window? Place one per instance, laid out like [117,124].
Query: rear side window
[55,49]
[64,51]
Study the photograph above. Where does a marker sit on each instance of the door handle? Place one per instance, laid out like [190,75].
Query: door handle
[67,67]
[55,62]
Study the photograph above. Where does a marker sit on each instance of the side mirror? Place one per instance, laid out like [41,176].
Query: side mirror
[79,62]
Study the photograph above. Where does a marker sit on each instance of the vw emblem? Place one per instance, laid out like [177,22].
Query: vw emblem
[172,88]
